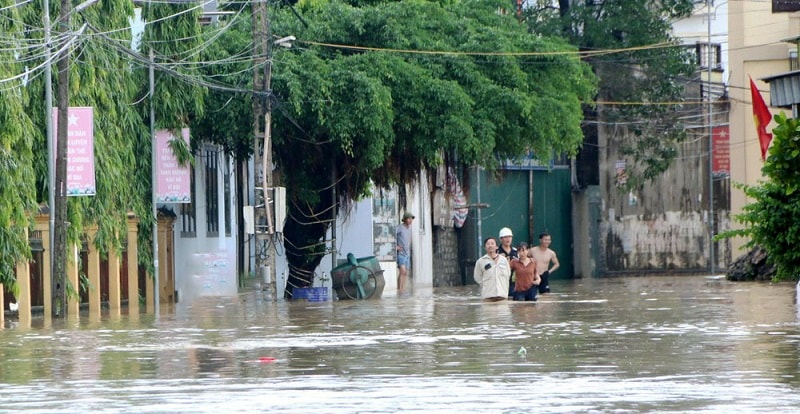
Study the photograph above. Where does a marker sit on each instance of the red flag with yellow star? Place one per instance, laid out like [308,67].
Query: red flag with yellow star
[761,116]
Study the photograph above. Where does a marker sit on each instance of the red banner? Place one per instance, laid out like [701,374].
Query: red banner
[721,162]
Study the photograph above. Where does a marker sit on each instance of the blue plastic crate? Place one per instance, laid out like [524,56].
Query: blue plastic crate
[311,294]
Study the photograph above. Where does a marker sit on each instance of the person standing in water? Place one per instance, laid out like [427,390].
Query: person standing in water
[527,279]
[492,272]
[544,257]
[510,253]
[403,251]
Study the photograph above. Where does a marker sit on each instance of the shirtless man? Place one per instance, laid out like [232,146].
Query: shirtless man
[543,256]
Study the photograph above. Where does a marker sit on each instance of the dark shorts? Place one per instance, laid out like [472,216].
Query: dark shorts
[544,286]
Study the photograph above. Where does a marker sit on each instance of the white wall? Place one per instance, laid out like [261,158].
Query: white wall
[419,202]
[354,233]
[206,266]
[695,29]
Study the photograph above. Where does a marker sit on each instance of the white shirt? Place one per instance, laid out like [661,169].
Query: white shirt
[492,275]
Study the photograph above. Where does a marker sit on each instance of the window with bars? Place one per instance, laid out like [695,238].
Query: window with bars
[212,192]
[188,211]
[785,6]
[703,57]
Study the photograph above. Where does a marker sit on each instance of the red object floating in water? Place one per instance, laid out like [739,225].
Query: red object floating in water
[267,359]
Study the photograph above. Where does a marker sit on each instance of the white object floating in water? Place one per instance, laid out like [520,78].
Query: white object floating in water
[13,306]
[522,351]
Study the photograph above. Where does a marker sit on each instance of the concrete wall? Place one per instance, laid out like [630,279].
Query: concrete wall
[361,232]
[206,265]
[446,269]
[419,203]
[664,224]
[585,231]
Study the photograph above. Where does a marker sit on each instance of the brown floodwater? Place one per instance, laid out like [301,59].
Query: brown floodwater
[622,345]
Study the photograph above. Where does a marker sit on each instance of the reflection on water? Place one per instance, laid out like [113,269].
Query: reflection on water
[656,344]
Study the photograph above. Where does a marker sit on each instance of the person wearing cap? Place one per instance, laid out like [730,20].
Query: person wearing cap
[403,251]
[509,252]
[492,272]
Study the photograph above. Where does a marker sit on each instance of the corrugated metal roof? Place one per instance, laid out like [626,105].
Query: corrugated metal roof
[784,89]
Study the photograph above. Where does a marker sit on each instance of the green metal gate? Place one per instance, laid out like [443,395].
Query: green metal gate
[528,202]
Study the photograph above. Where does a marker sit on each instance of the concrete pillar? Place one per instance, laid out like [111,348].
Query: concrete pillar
[94,274]
[166,273]
[133,265]
[42,225]
[113,282]
[150,299]
[73,297]
[24,296]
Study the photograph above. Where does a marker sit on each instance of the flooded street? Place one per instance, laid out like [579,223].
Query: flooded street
[625,345]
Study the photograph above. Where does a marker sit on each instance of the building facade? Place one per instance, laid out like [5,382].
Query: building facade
[761,45]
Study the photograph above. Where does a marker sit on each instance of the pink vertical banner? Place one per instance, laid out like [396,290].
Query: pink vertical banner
[80,150]
[173,182]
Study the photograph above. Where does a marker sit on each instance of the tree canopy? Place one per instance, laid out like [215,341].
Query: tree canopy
[372,95]
[106,75]
[642,70]
[375,94]
[17,195]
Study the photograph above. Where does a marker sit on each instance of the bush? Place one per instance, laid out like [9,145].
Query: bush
[773,219]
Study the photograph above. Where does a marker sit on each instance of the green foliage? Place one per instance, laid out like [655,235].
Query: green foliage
[636,74]
[17,194]
[228,116]
[429,82]
[386,114]
[181,150]
[783,158]
[174,35]
[104,79]
[771,220]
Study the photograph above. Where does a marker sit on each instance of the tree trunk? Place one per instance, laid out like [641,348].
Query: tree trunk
[305,245]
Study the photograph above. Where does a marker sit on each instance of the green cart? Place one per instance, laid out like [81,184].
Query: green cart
[359,278]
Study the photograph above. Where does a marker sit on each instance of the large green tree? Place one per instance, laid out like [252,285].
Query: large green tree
[17,195]
[102,77]
[375,94]
[172,43]
[105,80]
[228,60]
[642,70]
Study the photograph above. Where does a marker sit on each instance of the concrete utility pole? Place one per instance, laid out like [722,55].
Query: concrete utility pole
[262,157]
[59,187]
[51,150]
[154,200]
[59,265]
